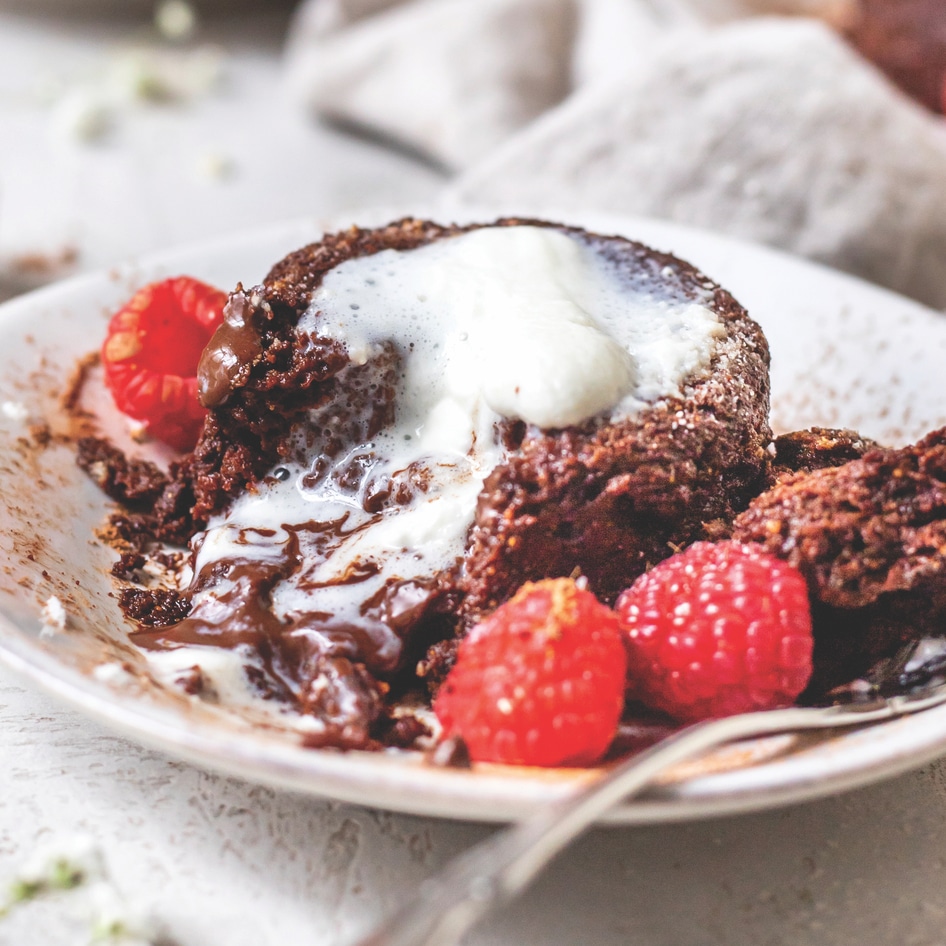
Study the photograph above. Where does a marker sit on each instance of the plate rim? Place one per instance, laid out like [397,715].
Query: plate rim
[499,797]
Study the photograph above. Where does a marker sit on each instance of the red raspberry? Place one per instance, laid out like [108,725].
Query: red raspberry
[540,681]
[721,628]
[151,351]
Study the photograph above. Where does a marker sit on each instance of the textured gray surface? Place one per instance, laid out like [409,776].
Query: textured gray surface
[219,862]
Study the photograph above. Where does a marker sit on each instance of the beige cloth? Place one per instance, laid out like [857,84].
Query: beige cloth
[770,129]
[451,79]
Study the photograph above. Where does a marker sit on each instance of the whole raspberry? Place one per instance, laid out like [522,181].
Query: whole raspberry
[720,628]
[151,351]
[540,681]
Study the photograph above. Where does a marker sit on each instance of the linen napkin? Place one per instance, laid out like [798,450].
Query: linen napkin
[767,128]
[448,78]
[770,130]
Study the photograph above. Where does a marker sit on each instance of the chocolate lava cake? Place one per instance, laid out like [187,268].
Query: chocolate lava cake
[304,402]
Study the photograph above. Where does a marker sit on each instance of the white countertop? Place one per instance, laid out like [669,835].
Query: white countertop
[219,862]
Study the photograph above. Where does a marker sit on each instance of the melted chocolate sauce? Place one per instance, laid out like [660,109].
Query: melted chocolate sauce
[227,359]
[327,664]
[232,609]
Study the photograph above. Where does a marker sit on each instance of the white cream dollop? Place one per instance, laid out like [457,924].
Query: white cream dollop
[521,295]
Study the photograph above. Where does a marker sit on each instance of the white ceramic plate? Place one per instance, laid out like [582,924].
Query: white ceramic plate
[844,354]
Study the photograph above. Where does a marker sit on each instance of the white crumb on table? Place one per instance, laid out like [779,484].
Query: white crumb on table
[147,74]
[84,114]
[175,20]
[215,166]
[75,866]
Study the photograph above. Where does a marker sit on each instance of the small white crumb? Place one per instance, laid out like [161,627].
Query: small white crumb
[82,114]
[54,617]
[76,864]
[65,862]
[141,76]
[175,20]
[216,167]
[14,410]
[113,672]
[147,74]
[137,431]
[115,920]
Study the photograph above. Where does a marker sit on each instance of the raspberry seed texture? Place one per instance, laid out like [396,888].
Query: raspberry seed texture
[540,681]
[718,629]
[151,351]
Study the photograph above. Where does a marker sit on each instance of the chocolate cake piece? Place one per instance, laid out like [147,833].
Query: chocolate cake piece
[870,538]
[605,496]
[611,500]
[817,448]
[135,483]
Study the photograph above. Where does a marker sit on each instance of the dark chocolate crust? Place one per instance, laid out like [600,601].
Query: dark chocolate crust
[870,538]
[613,499]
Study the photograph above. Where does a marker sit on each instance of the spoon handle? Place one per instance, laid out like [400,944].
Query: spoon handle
[494,872]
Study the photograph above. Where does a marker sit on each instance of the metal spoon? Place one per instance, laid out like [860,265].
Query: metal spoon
[491,874]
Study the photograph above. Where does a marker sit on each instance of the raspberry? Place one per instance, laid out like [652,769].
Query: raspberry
[720,628]
[540,681]
[151,351]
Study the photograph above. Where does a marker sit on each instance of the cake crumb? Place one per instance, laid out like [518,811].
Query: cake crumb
[15,411]
[54,617]
[216,167]
[83,115]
